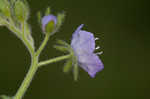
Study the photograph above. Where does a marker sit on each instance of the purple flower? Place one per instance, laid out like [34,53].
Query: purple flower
[83,44]
[47,19]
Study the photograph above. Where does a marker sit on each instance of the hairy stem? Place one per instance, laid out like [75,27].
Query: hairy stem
[24,40]
[33,68]
[25,84]
[54,60]
[43,44]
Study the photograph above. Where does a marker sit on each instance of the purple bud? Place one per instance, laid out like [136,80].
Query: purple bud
[83,44]
[47,19]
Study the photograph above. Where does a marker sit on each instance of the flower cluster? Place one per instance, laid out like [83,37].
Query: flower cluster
[14,14]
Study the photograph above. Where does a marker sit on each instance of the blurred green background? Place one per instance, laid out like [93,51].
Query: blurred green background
[126,25]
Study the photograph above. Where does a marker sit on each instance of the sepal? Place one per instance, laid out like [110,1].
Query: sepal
[39,16]
[61,48]
[63,43]
[75,71]
[67,66]
[60,20]
[48,11]
[71,63]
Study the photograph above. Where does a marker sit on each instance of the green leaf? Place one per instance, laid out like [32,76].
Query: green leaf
[48,11]
[67,66]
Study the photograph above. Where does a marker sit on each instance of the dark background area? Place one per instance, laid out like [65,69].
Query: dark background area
[126,25]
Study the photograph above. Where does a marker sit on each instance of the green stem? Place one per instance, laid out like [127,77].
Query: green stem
[54,60]
[33,68]
[43,45]
[21,91]
[26,42]
[19,34]
[34,56]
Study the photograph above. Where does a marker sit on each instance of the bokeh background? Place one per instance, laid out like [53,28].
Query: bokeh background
[126,26]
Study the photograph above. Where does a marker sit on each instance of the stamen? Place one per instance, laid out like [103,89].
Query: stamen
[99,53]
[98,47]
[96,38]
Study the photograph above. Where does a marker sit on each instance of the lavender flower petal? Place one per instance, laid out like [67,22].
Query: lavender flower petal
[77,31]
[75,37]
[90,63]
[83,41]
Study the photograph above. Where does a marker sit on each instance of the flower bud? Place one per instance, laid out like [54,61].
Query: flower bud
[49,23]
[21,10]
[5,8]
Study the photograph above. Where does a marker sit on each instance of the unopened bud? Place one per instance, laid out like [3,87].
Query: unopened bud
[21,10]
[49,23]
[5,8]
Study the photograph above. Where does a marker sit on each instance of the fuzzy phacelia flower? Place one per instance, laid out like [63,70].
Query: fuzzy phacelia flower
[83,45]
[49,23]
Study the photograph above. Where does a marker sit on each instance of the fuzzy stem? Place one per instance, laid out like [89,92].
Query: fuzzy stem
[54,60]
[19,34]
[33,68]
[24,86]
[43,44]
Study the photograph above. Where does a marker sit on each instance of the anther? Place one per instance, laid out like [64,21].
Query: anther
[98,47]
[96,38]
[99,53]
